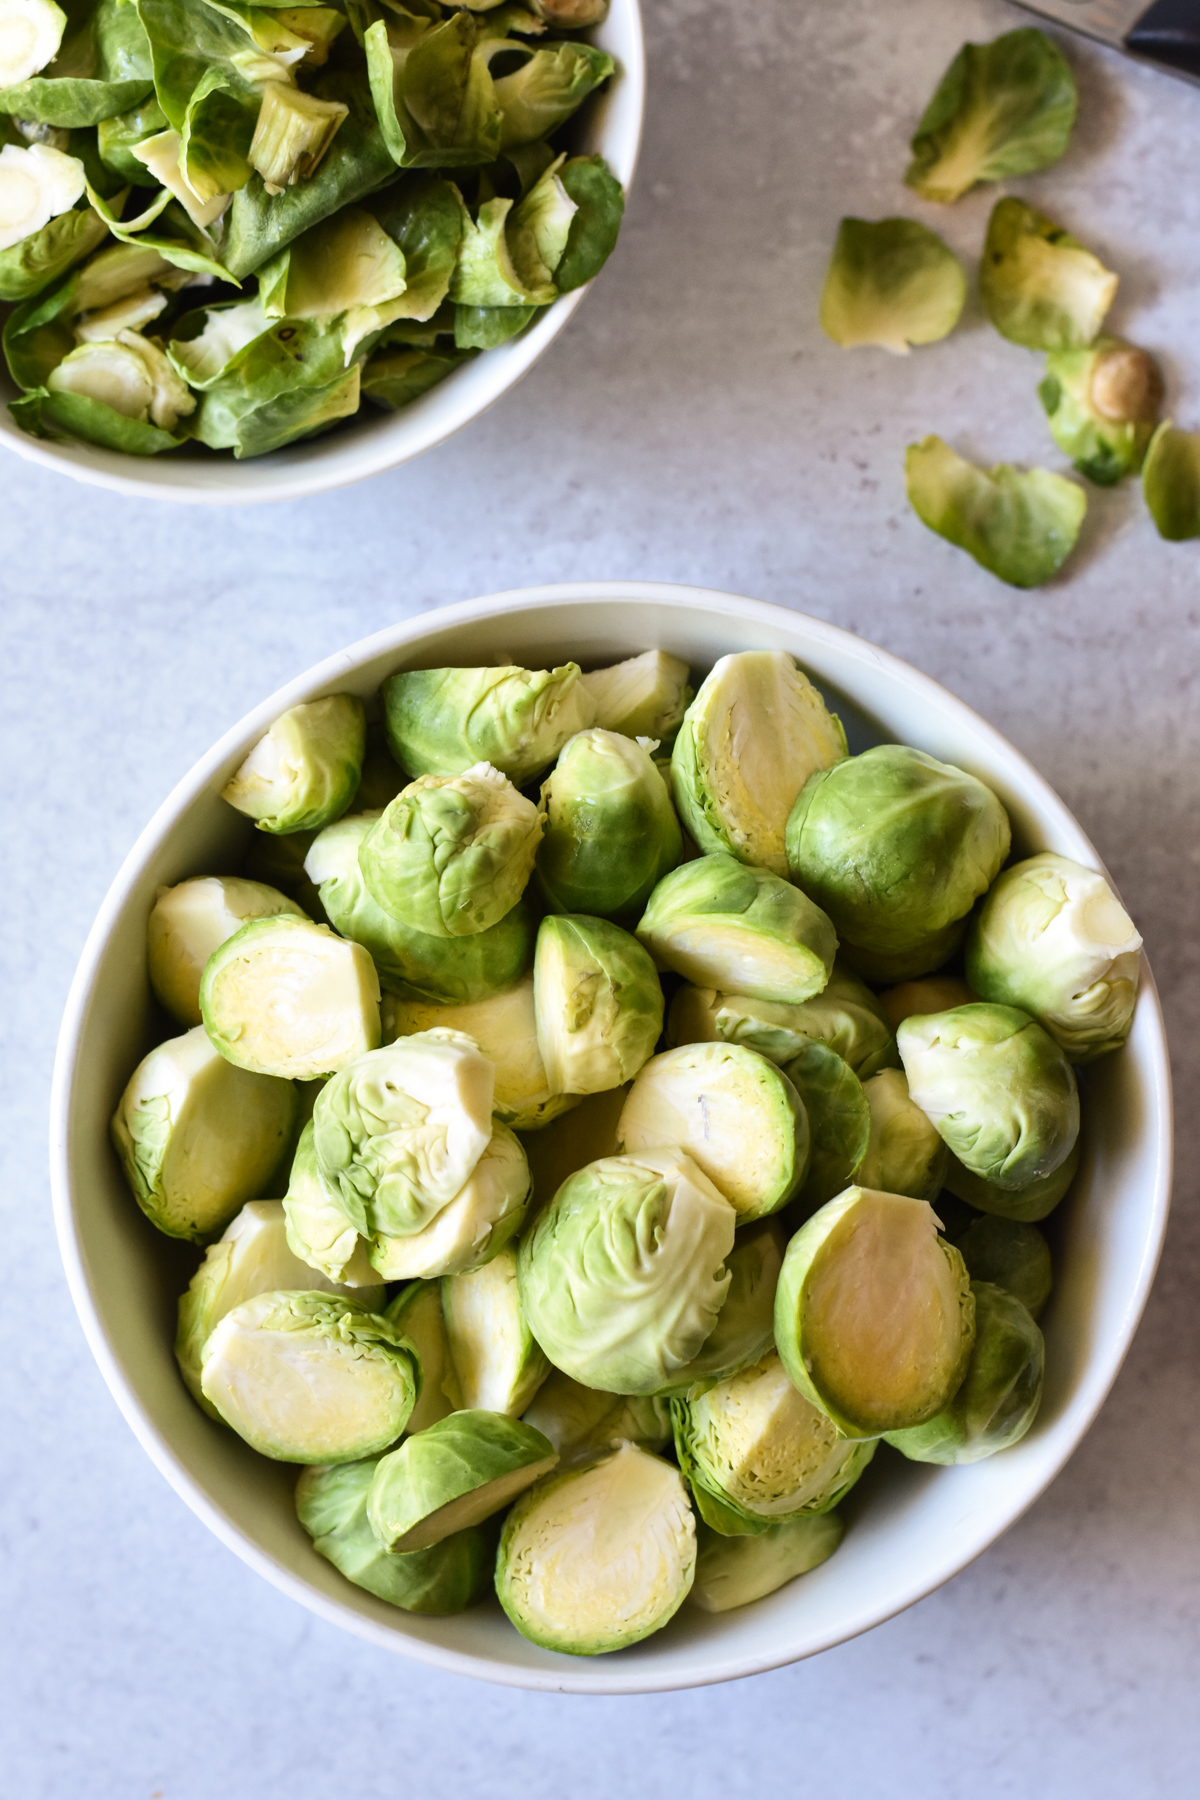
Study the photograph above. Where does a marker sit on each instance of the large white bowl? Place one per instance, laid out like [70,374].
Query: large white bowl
[610,124]
[912,1527]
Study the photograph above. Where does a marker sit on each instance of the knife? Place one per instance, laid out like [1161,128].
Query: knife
[1166,33]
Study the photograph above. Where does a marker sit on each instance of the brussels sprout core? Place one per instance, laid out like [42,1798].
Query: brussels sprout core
[598,1004]
[38,183]
[497,1365]
[452,1475]
[30,33]
[733,1571]
[303,773]
[190,921]
[284,997]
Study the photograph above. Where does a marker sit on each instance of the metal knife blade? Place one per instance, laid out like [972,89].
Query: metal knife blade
[1166,33]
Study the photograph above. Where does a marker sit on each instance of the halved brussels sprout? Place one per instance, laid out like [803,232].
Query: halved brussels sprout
[37,182]
[928,994]
[749,741]
[905,1155]
[845,1016]
[303,773]
[198,1137]
[1102,404]
[896,847]
[309,1377]
[839,1121]
[737,1116]
[188,922]
[594,1559]
[1000,1393]
[286,997]
[497,1364]
[733,1571]
[1171,482]
[452,853]
[721,924]
[582,1423]
[745,1327]
[453,1475]
[485,1214]
[611,831]
[598,1003]
[1027,1205]
[1039,285]
[891,282]
[569,1144]
[874,1317]
[30,34]
[998,1088]
[417,1312]
[1052,938]
[318,1231]
[1019,524]
[443,721]
[645,696]
[623,1275]
[1012,1256]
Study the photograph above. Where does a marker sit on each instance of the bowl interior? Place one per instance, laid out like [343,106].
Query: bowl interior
[911,1527]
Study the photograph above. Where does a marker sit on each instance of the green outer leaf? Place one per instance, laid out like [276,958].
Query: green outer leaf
[1019,525]
[539,97]
[732,1572]
[426,217]
[190,247]
[484,327]
[37,335]
[893,283]
[485,275]
[1171,482]
[435,103]
[1026,1205]
[72,103]
[30,266]
[593,234]
[188,41]
[289,383]
[217,131]
[1040,286]
[1103,448]
[117,136]
[395,378]
[43,414]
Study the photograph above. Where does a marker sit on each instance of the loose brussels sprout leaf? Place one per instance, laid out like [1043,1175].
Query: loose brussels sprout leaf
[1001,109]
[417,1312]
[874,1317]
[303,773]
[288,383]
[733,1571]
[537,230]
[486,1213]
[484,327]
[30,33]
[623,1275]
[896,847]
[56,415]
[1052,937]
[1171,482]
[425,216]
[1000,1393]
[452,854]
[252,1257]
[443,721]
[117,138]
[571,15]
[33,262]
[285,997]
[188,922]
[393,379]
[1012,1256]
[611,831]
[594,1559]
[1036,1200]
[839,1120]
[737,1116]
[497,1364]
[905,1155]
[198,1137]
[318,1231]
[582,1423]
[450,1576]
[567,1145]
[645,696]
[453,1475]
[845,1016]
[105,64]
[1102,404]
[932,993]
[505,1028]
[128,377]
[434,96]
[310,1377]
[219,132]
[541,95]
[745,1327]
[749,741]
[721,924]
[599,208]
[176,236]
[891,282]
[998,1088]
[346,269]
[1040,286]
[598,1003]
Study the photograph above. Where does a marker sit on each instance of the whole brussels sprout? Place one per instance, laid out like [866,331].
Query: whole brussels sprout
[1171,482]
[721,924]
[749,741]
[1000,1393]
[485,1214]
[1102,403]
[318,1231]
[611,831]
[896,847]
[283,997]
[645,696]
[1052,938]
[453,1475]
[188,922]
[497,1365]
[733,1571]
[593,1559]
[582,1423]
[929,994]
[1036,1200]
[416,1312]
[839,1121]
[442,721]
[998,1088]
[845,1016]
[303,773]
[905,1155]
[745,1327]
[891,282]
[1040,286]
[569,1144]
[874,1317]
[598,1003]
[198,1137]
[1012,1256]
[623,1275]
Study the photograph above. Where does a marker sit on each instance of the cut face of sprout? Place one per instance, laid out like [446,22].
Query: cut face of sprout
[36,185]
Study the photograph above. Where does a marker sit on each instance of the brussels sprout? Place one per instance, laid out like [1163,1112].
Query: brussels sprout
[1039,285]
[310,1377]
[417,1312]
[931,993]
[733,1112]
[105,391]
[598,1002]
[845,1016]
[188,922]
[905,1155]
[896,847]
[874,1317]
[1171,482]
[569,1144]
[1036,1200]
[30,34]
[453,1475]
[611,831]
[198,1137]
[570,15]
[749,741]
[399,1131]
[594,1559]
[497,1364]
[303,774]
[1001,109]
[645,696]
[721,924]
[36,184]
[1012,1256]
[452,853]
[839,1121]
[485,1214]
[745,1327]
[1020,525]
[318,1231]
[1102,404]
[1052,938]
[733,1571]
[1000,1393]
[331,1504]
[444,721]
[891,282]
[582,1423]
[285,997]
[623,1275]
[998,1088]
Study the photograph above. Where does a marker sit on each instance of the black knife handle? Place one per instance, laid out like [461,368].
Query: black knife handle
[1169,33]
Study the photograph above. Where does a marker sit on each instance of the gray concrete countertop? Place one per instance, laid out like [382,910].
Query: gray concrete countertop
[691,425]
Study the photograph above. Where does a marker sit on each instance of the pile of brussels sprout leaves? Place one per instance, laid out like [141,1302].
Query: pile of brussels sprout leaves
[1005,109]
[366,195]
[657,1131]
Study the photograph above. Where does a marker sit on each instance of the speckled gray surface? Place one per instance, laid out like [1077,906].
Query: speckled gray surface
[692,425]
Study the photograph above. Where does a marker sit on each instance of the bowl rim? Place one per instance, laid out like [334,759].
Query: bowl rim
[603,1675]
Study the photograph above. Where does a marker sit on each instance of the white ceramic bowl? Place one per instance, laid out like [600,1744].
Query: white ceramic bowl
[611,124]
[912,1527]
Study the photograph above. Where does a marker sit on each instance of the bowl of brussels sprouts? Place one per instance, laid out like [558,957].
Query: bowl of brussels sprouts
[611,1137]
